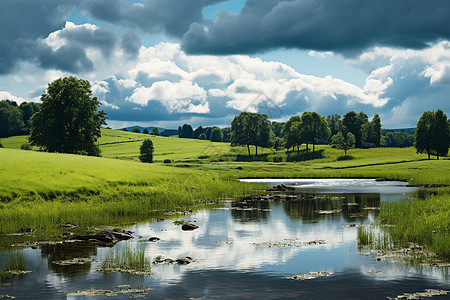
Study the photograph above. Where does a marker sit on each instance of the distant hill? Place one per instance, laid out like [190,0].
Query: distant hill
[169,131]
[401,129]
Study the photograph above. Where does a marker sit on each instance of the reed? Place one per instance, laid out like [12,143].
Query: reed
[128,259]
[423,219]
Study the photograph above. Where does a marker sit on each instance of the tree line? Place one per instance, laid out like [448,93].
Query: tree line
[16,119]
[68,121]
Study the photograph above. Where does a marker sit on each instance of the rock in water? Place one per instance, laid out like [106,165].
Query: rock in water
[189,227]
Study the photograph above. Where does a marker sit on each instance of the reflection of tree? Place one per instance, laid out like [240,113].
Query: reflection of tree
[352,206]
[61,252]
[351,212]
[250,211]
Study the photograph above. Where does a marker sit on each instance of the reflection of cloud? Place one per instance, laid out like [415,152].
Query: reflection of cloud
[206,244]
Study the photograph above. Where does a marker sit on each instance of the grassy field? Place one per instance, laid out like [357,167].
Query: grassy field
[43,190]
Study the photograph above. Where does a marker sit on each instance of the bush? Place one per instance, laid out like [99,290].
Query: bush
[344,157]
[26,146]
[167,161]
[136,130]
[146,151]
[1,145]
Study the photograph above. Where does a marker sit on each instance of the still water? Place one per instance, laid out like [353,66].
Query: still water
[247,250]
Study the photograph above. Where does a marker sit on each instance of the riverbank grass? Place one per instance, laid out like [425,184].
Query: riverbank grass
[423,219]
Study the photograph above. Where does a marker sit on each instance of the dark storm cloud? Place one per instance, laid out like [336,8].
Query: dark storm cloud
[23,21]
[345,26]
[131,43]
[155,16]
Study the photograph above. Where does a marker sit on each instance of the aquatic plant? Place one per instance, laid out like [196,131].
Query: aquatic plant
[423,219]
[128,259]
[375,237]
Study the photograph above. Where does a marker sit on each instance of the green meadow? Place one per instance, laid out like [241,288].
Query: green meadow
[43,190]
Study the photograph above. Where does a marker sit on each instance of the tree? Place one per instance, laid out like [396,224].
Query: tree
[441,133]
[125,129]
[216,135]
[292,133]
[198,131]
[343,141]
[136,130]
[202,136]
[250,129]
[145,131]
[334,123]
[226,134]
[11,119]
[354,123]
[314,127]
[186,132]
[1,145]
[146,151]
[155,131]
[433,133]
[28,109]
[374,131]
[68,121]
[164,133]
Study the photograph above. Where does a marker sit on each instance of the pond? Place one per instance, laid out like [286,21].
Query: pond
[249,249]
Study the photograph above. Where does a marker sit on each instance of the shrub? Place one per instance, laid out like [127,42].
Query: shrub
[167,161]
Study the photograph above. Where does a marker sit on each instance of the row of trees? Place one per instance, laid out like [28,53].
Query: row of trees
[214,134]
[16,119]
[353,130]
[155,131]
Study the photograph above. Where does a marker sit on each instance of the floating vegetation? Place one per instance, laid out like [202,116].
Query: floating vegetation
[74,261]
[120,290]
[129,260]
[428,293]
[310,275]
[289,243]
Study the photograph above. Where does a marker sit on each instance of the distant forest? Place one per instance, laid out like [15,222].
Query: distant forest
[16,120]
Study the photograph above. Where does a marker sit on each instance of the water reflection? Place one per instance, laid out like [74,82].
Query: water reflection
[247,249]
[59,258]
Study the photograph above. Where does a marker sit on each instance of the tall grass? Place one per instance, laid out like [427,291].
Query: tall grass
[374,237]
[129,259]
[12,262]
[424,219]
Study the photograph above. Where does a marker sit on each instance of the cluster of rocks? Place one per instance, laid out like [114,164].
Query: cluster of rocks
[310,275]
[120,290]
[280,188]
[108,237]
[421,295]
[180,261]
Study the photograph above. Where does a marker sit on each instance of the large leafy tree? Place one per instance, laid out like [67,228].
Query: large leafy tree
[69,120]
[356,123]
[251,129]
[314,127]
[432,134]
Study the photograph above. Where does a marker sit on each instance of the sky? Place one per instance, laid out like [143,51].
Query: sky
[202,62]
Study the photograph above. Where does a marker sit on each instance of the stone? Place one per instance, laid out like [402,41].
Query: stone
[189,227]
